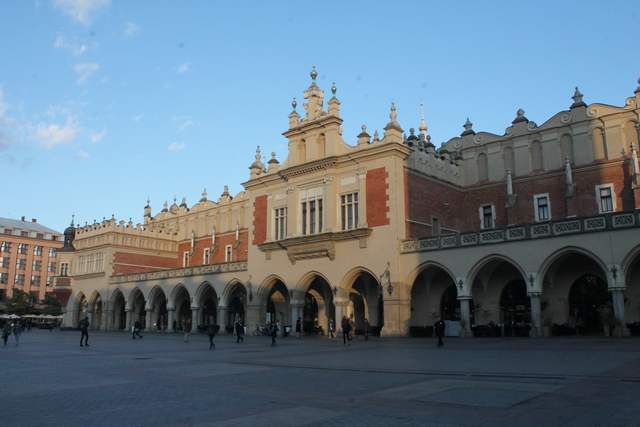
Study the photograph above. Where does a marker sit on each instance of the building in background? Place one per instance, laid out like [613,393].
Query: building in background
[28,253]
[530,232]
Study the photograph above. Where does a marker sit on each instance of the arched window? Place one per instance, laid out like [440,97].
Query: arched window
[536,156]
[321,146]
[599,145]
[566,147]
[483,167]
[509,161]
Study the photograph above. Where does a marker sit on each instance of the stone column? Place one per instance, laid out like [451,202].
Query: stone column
[171,317]
[105,317]
[147,321]
[341,309]
[536,318]
[617,297]
[222,319]
[127,326]
[465,316]
[296,311]
[195,318]
[254,315]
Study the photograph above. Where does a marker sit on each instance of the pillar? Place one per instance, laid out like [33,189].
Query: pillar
[254,315]
[617,297]
[105,317]
[148,325]
[536,318]
[171,313]
[195,318]
[465,316]
[221,319]
[127,326]
[296,311]
[341,309]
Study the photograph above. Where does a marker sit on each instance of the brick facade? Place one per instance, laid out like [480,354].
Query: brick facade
[127,262]
[377,197]
[239,251]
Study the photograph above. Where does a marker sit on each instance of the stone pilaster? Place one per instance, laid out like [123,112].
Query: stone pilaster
[465,316]
[536,316]
[171,313]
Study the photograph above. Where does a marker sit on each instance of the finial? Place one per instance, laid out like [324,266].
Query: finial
[204,195]
[334,89]
[468,128]
[73,216]
[273,155]
[376,136]
[412,131]
[313,74]
[423,123]
[113,216]
[258,154]
[364,128]
[577,99]
[174,199]
[519,117]
[393,115]
[520,112]
[294,103]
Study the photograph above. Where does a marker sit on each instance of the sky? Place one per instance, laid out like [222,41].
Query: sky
[105,103]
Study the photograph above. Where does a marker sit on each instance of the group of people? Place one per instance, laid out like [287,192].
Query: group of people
[348,328]
[9,329]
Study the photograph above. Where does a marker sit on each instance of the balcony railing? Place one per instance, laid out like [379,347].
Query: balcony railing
[181,272]
[604,222]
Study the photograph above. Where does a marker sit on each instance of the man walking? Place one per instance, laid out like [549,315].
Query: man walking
[298,328]
[439,327]
[136,330]
[239,332]
[346,330]
[84,332]
[211,331]
[332,329]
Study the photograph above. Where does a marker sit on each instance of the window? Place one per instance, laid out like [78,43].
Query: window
[82,265]
[99,263]
[24,233]
[228,253]
[435,226]
[4,278]
[49,281]
[206,256]
[64,269]
[606,199]
[185,259]
[312,215]
[51,268]
[280,215]
[35,280]
[36,265]
[487,217]
[18,280]
[37,250]
[541,207]
[23,248]
[52,252]
[5,247]
[349,211]
[40,236]
[5,262]
[21,264]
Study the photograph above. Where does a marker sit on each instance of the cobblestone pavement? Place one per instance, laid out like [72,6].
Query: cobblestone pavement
[49,380]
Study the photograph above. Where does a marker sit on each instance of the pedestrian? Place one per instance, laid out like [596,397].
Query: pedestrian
[17,330]
[332,329]
[136,330]
[366,329]
[439,327]
[346,329]
[274,333]
[84,331]
[239,332]
[186,328]
[298,328]
[6,331]
[211,331]
[352,328]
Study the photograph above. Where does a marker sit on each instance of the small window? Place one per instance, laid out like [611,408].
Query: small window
[487,217]
[228,253]
[185,259]
[5,247]
[64,269]
[36,265]
[23,248]
[606,199]
[19,279]
[349,211]
[35,280]
[541,206]
[21,264]
[52,267]
[206,256]
[311,210]
[52,252]
[39,236]
[4,278]
[37,250]
[435,226]
[280,215]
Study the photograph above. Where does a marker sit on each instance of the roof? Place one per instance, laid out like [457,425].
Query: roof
[26,225]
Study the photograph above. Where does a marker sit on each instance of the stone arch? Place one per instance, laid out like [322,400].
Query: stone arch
[430,283]
[157,306]
[95,309]
[413,275]
[234,300]
[318,310]
[276,298]
[544,267]
[490,258]
[206,299]
[181,302]
[80,304]
[137,305]
[365,299]
[117,305]
[631,270]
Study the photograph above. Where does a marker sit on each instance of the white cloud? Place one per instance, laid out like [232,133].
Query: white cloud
[131,29]
[97,136]
[183,68]
[53,134]
[85,70]
[81,155]
[81,10]
[183,122]
[75,49]
[176,146]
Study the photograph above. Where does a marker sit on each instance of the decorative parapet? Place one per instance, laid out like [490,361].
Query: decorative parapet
[524,232]
[226,267]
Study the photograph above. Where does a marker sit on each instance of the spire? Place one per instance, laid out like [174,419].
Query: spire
[73,217]
[423,124]
[520,117]
[204,195]
[148,205]
[334,104]
[393,119]
[294,117]
[273,163]
[577,99]
[468,128]
[183,204]
[257,166]
[314,75]
[376,137]
[165,206]
[315,98]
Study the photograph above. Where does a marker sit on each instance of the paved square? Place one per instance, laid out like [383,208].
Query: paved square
[161,381]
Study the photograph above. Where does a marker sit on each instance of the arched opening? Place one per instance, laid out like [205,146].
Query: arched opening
[536,156]
[79,309]
[576,299]
[365,303]
[433,296]
[236,306]
[632,296]
[96,312]
[599,145]
[318,307]
[118,313]
[159,314]
[501,304]
[278,304]
[183,309]
[208,308]
[138,312]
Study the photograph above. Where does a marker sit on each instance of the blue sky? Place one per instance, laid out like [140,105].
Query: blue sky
[103,103]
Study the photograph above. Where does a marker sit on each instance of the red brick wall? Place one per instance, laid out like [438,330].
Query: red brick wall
[457,208]
[377,197]
[260,220]
[126,262]
[222,240]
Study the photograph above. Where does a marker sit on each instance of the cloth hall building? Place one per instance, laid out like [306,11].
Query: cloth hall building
[532,232]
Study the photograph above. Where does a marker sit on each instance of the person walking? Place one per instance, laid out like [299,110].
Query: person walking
[6,331]
[298,328]
[136,330]
[17,330]
[366,329]
[352,328]
[274,333]
[239,332]
[439,327]
[186,328]
[346,329]
[84,332]
[211,331]
[332,329]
